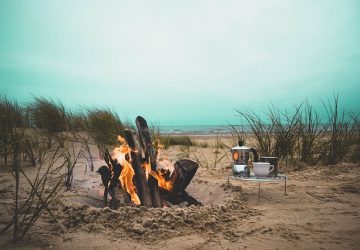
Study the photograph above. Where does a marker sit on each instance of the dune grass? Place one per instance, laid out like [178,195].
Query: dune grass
[77,120]
[355,156]
[303,135]
[11,128]
[339,134]
[104,127]
[48,115]
[311,133]
[168,141]
[261,130]
[285,131]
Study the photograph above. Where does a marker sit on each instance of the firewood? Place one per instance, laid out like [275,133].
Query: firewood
[145,140]
[105,174]
[119,198]
[136,160]
[109,161]
[184,171]
[179,198]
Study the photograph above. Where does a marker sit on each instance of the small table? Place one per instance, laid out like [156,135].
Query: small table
[279,178]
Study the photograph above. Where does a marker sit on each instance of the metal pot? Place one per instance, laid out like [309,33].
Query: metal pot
[240,155]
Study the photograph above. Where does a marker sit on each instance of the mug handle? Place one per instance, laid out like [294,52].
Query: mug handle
[271,168]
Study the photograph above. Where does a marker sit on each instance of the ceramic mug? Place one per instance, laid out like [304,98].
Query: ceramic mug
[262,169]
[273,161]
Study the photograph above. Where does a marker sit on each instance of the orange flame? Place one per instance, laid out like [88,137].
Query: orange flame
[162,182]
[127,173]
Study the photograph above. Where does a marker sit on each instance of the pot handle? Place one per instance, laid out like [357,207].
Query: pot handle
[271,168]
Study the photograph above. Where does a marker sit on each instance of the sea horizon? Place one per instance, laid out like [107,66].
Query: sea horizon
[201,129]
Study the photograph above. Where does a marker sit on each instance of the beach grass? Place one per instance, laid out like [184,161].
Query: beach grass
[168,141]
[300,135]
[305,136]
[104,127]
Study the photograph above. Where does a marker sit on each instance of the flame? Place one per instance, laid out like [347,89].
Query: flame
[121,154]
[127,173]
[147,168]
[162,182]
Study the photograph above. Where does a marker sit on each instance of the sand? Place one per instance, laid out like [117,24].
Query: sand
[320,211]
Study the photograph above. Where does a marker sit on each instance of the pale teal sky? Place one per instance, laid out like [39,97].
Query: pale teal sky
[181,62]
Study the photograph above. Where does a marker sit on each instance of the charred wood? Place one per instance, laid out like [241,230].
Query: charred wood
[184,171]
[145,140]
[119,198]
[109,161]
[136,160]
[105,174]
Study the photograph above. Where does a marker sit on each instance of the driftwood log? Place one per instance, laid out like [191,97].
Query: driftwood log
[112,187]
[184,171]
[105,173]
[150,157]
[141,182]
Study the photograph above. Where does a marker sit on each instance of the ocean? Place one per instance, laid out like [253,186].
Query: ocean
[199,129]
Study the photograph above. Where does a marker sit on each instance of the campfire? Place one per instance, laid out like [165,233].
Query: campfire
[131,175]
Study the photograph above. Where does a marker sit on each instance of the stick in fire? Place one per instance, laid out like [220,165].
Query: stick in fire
[150,155]
[109,175]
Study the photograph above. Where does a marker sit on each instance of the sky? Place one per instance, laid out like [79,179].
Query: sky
[181,62]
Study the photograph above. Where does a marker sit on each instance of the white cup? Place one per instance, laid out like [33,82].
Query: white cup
[262,169]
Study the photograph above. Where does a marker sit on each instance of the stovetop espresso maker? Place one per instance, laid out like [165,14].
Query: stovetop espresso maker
[241,155]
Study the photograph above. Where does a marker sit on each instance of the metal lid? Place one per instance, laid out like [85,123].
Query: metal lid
[240,148]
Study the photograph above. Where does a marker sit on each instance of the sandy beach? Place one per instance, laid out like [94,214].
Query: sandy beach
[320,211]
[123,123]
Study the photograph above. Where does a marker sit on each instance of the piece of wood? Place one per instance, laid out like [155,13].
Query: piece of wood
[150,157]
[105,173]
[179,198]
[136,160]
[119,198]
[115,169]
[184,171]
[109,161]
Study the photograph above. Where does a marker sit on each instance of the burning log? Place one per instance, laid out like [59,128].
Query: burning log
[184,171]
[145,140]
[115,169]
[110,177]
[136,160]
[109,161]
[122,154]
